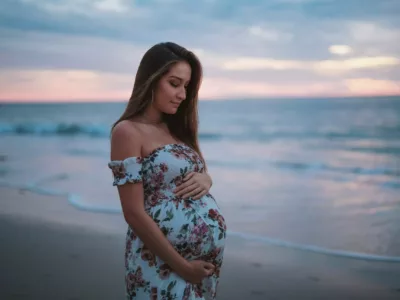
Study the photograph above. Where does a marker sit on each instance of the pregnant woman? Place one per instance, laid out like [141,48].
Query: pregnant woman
[176,233]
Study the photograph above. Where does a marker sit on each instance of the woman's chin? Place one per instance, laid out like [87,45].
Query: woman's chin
[171,111]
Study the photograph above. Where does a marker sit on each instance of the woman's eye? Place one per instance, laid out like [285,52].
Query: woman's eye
[174,84]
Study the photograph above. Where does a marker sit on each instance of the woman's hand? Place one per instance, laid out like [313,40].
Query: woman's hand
[194,185]
[197,270]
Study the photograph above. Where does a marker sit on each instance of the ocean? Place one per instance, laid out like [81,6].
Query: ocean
[313,174]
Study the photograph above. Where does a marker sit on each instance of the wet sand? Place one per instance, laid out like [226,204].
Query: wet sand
[49,250]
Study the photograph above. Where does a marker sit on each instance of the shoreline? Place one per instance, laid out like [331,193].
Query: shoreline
[50,250]
[75,206]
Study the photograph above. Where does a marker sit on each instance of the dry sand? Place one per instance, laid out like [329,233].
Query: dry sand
[49,250]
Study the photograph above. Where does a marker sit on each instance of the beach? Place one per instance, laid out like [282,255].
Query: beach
[51,250]
[310,197]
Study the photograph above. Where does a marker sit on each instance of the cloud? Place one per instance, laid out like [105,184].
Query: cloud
[369,32]
[251,63]
[83,7]
[340,49]
[278,28]
[269,34]
[323,66]
[78,85]
[335,66]
[49,85]
[35,50]
[224,88]
[278,43]
[111,5]
[370,86]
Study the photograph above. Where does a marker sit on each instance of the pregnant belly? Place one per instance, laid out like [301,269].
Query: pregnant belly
[195,228]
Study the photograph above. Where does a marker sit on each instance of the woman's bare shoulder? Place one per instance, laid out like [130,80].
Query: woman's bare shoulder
[126,140]
[126,129]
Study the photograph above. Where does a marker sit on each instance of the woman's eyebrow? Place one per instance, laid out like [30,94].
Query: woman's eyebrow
[181,79]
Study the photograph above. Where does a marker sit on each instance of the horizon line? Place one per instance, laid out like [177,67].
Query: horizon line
[266,98]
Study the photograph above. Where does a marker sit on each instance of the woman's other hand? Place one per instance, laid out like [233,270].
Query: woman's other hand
[197,270]
[195,185]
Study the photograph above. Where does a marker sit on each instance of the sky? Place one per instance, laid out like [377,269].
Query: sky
[75,50]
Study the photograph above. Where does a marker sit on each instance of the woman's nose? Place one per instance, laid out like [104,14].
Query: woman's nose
[182,94]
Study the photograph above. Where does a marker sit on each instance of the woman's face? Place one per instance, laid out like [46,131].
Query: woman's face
[171,89]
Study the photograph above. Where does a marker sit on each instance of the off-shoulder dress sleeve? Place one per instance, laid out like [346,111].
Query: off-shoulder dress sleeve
[125,171]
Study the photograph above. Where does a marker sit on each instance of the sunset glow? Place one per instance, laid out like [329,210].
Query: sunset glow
[90,50]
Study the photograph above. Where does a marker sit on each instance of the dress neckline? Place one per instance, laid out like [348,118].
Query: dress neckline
[164,147]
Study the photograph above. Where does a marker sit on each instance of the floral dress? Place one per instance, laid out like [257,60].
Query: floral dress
[195,228]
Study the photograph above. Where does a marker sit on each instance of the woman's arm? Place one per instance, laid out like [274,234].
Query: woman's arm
[126,142]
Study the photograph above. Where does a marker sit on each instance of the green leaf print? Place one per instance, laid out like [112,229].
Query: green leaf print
[184,171]
[194,219]
[166,230]
[171,285]
[184,228]
[189,213]
[157,214]
[170,215]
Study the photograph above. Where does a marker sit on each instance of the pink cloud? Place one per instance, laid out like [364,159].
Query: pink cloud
[82,85]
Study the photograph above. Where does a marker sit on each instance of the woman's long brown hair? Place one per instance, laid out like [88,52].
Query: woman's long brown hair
[155,63]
